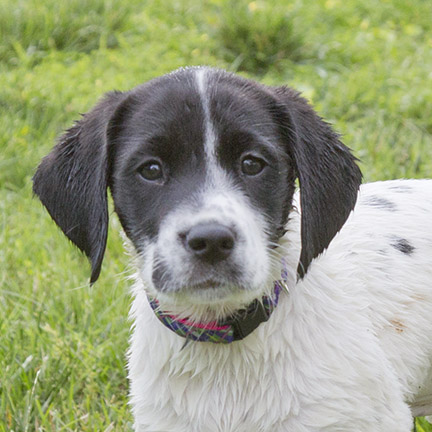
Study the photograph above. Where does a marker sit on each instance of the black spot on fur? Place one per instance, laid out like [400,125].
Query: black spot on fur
[401,189]
[379,202]
[403,245]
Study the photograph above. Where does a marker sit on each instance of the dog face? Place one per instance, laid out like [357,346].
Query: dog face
[219,183]
[202,166]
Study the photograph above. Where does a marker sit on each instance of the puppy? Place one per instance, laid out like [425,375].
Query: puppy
[256,308]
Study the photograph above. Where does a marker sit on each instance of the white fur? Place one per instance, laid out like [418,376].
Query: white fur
[210,134]
[348,349]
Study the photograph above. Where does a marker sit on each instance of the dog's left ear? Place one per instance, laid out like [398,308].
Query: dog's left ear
[327,171]
[72,181]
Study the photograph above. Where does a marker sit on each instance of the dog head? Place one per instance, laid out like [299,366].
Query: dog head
[201,165]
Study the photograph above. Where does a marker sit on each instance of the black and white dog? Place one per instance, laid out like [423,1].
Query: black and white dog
[252,312]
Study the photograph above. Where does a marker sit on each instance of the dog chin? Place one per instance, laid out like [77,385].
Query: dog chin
[212,293]
[218,297]
[208,292]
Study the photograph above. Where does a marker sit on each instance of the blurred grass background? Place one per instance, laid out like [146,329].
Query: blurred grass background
[365,65]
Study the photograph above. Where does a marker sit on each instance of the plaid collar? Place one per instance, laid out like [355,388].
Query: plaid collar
[234,328]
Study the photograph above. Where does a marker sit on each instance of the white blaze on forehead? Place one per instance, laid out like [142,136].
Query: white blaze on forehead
[210,134]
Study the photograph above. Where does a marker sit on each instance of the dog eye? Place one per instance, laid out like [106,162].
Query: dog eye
[252,165]
[151,170]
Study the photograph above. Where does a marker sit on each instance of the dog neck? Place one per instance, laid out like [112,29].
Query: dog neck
[236,327]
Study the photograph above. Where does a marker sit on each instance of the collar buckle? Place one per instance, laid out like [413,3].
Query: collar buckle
[245,322]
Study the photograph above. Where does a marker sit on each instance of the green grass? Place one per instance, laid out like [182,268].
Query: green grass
[365,65]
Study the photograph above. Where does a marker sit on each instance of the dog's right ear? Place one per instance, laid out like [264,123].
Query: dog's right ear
[72,180]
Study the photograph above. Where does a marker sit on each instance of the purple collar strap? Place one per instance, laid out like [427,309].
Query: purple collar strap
[234,328]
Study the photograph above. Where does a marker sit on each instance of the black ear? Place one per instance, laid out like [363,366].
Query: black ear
[72,182]
[327,171]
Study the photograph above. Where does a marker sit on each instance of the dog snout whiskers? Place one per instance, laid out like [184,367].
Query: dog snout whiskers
[211,242]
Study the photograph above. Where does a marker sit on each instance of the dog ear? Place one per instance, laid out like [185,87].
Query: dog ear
[328,175]
[71,181]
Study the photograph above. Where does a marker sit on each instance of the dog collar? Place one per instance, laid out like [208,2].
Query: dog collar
[234,328]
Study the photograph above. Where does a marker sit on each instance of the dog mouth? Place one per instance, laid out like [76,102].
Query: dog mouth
[197,281]
[210,284]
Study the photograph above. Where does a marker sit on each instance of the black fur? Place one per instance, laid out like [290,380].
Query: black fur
[380,202]
[163,120]
[403,245]
[72,182]
[401,189]
[328,175]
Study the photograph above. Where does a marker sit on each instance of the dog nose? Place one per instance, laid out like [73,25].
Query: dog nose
[211,242]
